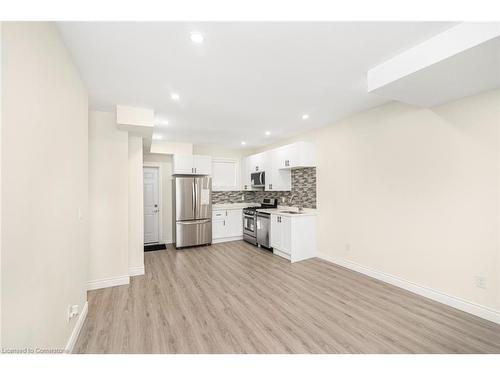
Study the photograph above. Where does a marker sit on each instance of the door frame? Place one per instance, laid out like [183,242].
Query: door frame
[160,194]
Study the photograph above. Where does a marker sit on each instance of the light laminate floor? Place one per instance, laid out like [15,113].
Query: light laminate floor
[236,298]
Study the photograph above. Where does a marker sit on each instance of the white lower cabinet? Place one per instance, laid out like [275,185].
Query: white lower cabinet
[227,225]
[218,226]
[293,237]
[281,231]
[234,223]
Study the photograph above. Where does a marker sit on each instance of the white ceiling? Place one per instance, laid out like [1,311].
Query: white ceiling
[245,79]
[466,73]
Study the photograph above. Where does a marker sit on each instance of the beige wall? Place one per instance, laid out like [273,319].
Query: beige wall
[164,162]
[108,197]
[415,193]
[135,205]
[44,239]
[218,151]
[0,184]
[170,148]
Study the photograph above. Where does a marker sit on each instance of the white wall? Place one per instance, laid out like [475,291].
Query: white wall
[135,207]
[415,193]
[108,198]
[0,184]
[164,162]
[44,187]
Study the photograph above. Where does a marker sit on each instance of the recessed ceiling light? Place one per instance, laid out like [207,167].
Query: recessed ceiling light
[243,143]
[197,37]
[268,133]
[305,116]
[175,96]
[163,122]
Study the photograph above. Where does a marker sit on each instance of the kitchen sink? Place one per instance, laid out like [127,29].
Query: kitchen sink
[290,212]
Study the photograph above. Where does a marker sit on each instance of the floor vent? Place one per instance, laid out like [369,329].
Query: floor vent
[155,247]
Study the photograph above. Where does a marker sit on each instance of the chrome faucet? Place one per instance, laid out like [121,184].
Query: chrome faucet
[290,202]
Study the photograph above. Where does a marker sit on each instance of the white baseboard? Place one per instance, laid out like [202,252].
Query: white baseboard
[136,271]
[108,282]
[77,328]
[227,239]
[458,303]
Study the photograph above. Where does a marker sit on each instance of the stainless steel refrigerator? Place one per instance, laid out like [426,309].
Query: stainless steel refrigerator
[192,211]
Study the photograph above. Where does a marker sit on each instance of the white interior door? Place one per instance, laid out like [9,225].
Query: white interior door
[151,205]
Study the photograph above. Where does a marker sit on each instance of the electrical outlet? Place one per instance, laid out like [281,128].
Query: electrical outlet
[72,311]
[242,197]
[347,247]
[481,282]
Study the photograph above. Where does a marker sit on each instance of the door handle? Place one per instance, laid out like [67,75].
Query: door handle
[193,199]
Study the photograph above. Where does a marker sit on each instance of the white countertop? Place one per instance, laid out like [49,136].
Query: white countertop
[280,209]
[233,206]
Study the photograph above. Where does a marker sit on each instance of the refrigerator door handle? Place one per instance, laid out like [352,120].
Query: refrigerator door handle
[193,199]
[194,222]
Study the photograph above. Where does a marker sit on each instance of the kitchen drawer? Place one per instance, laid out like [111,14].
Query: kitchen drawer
[219,214]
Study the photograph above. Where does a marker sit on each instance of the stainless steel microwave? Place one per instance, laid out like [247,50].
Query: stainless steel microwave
[258,179]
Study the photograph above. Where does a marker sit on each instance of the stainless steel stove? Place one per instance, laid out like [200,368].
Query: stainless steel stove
[250,220]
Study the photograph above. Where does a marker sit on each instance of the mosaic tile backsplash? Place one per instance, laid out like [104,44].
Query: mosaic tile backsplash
[303,186]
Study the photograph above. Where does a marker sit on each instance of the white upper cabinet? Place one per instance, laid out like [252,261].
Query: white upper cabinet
[277,179]
[183,164]
[192,164]
[251,164]
[295,155]
[225,174]
[278,163]
[202,164]
[258,162]
[246,183]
